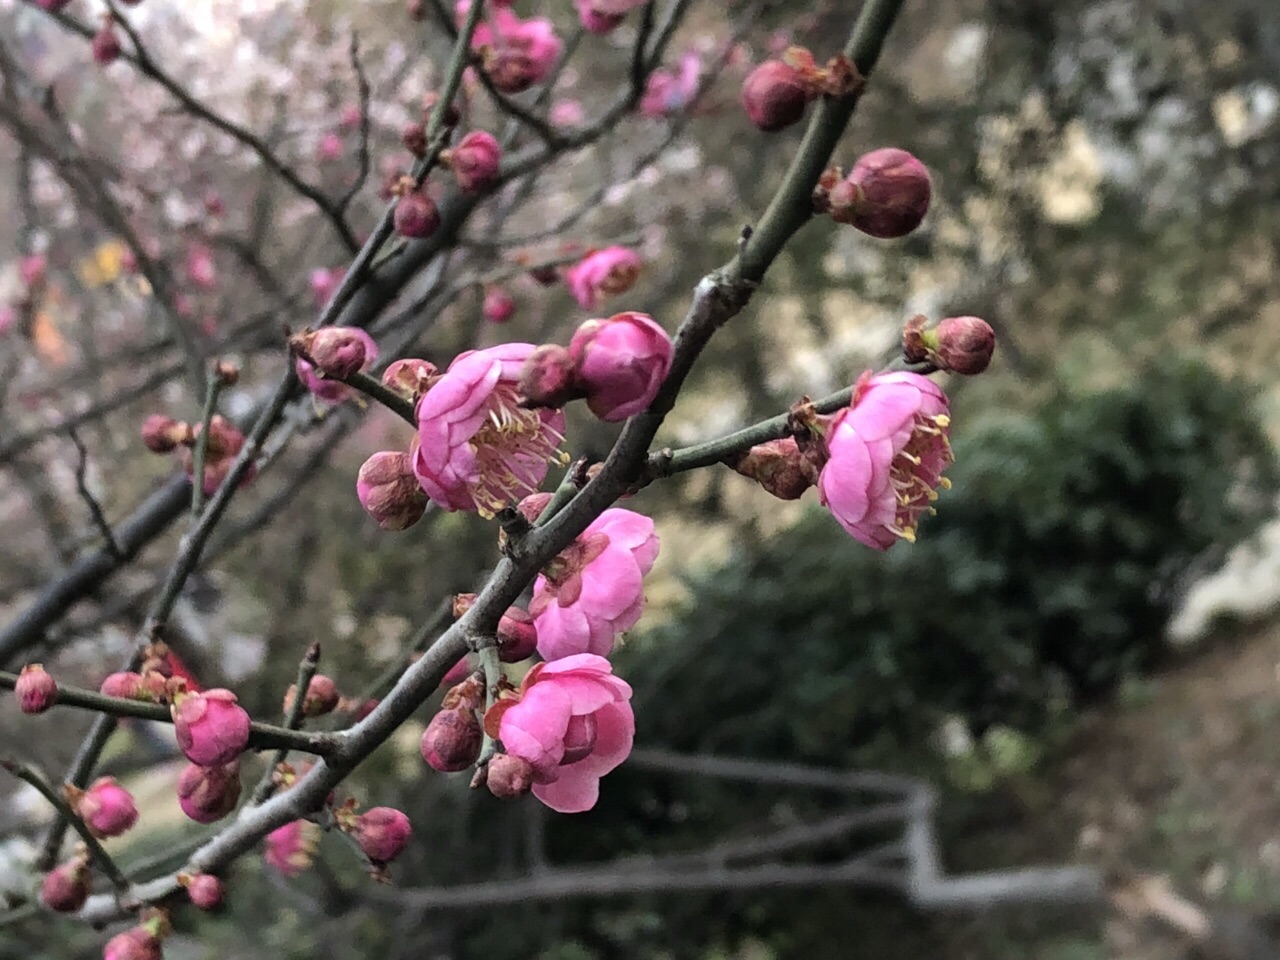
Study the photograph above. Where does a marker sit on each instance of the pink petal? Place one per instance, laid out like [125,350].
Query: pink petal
[571,793]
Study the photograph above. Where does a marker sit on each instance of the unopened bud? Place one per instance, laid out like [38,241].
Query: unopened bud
[105,46]
[226,372]
[414,138]
[149,687]
[322,697]
[499,306]
[335,352]
[452,740]
[517,636]
[963,345]
[161,434]
[476,160]
[531,507]
[389,491]
[779,466]
[416,215]
[410,378]
[775,95]
[203,889]
[139,943]
[35,689]
[382,833]
[547,379]
[509,777]
[65,888]
[106,808]
[207,794]
[886,194]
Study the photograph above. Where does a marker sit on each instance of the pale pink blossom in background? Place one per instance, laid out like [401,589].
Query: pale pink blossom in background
[201,269]
[668,92]
[567,113]
[594,589]
[478,448]
[886,453]
[572,724]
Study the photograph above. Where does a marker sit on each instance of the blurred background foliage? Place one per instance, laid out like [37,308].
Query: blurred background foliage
[1106,174]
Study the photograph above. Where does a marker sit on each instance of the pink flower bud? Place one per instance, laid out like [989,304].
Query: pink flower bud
[548,378]
[779,466]
[35,689]
[211,727]
[457,673]
[414,138]
[31,269]
[475,161]
[203,889]
[329,148]
[602,273]
[886,194]
[775,95]
[509,777]
[517,636]
[290,848]
[498,305]
[66,888]
[105,45]
[161,434]
[138,943]
[416,215]
[201,269]
[963,345]
[452,740]
[322,697]
[620,363]
[149,688]
[382,833]
[389,491]
[334,351]
[531,507]
[410,378]
[207,794]
[106,808]
[324,283]
[566,113]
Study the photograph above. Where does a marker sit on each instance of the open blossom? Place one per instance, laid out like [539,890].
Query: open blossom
[594,589]
[885,457]
[620,363]
[572,724]
[515,53]
[336,349]
[602,273]
[667,93]
[478,448]
[211,727]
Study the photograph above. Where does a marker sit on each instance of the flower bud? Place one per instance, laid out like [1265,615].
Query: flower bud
[775,95]
[203,889]
[149,688]
[139,943]
[382,833]
[31,269]
[962,345]
[779,466]
[207,794]
[457,673]
[228,373]
[547,379]
[105,45]
[475,161]
[531,507]
[161,434]
[322,697]
[66,888]
[620,363]
[106,807]
[35,689]
[498,305]
[211,727]
[414,138]
[336,352]
[389,491]
[517,636]
[290,848]
[886,194]
[410,378]
[509,777]
[430,101]
[452,740]
[416,215]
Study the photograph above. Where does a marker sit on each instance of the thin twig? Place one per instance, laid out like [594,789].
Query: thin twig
[212,389]
[95,508]
[293,720]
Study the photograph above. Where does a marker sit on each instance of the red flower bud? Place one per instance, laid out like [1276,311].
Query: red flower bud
[138,943]
[161,434]
[211,727]
[475,161]
[334,351]
[548,379]
[35,689]
[452,740]
[886,194]
[389,492]
[106,807]
[775,95]
[203,889]
[964,345]
[416,215]
[105,45]
[382,833]
[66,888]
[207,794]
[414,138]
[322,697]
[498,305]
[509,777]
[517,636]
[779,466]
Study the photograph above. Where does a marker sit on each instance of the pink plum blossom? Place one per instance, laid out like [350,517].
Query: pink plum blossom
[620,363]
[499,306]
[107,808]
[566,113]
[291,847]
[382,833]
[516,53]
[886,453]
[478,448]
[572,725]
[594,589]
[335,391]
[668,93]
[35,689]
[475,160]
[211,728]
[602,273]
[201,270]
